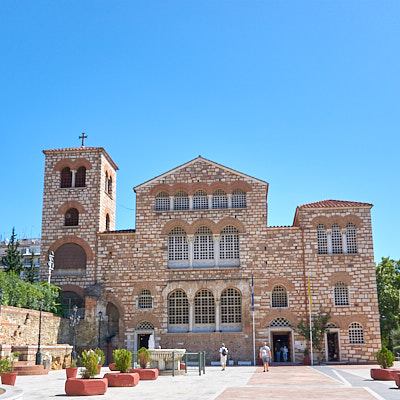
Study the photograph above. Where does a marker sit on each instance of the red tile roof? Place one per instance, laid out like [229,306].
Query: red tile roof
[334,204]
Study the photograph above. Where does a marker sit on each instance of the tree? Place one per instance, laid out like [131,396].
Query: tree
[30,273]
[388,285]
[13,258]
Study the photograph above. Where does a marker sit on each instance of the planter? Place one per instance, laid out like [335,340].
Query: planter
[99,369]
[182,366]
[384,374]
[112,366]
[397,380]
[9,378]
[71,372]
[307,360]
[147,374]
[122,379]
[85,387]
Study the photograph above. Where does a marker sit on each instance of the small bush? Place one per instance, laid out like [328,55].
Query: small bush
[385,357]
[6,365]
[101,356]
[123,360]
[143,356]
[89,360]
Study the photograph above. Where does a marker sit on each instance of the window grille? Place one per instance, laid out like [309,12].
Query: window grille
[144,326]
[178,308]
[203,244]
[110,186]
[69,300]
[107,222]
[279,297]
[200,200]
[331,325]
[145,299]
[80,179]
[178,248]
[229,243]
[181,201]
[280,322]
[341,292]
[231,307]
[356,333]
[70,256]
[204,307]
[239,199]
[351,238]
[71,217]
[337,247]
[66,178]
[162,201]
[322,239]
[219,199]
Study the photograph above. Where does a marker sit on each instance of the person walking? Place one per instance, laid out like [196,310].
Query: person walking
[223,353]
[265,355]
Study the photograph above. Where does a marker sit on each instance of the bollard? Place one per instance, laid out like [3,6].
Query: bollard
[173,363]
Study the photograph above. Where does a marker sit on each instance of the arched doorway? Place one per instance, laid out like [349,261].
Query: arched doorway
[281,335]
[332,343]
[112,336]
[144,335]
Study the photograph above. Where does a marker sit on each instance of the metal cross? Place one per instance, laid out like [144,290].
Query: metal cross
[83,137]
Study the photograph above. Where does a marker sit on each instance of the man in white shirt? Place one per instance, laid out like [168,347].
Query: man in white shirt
[265,355]
[223,352]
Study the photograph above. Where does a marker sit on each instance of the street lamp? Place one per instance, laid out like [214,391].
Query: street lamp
[74,318]
[1,298]
[100,317]
[39,354]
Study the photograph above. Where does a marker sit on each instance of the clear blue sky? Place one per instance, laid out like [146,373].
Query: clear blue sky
[302,94]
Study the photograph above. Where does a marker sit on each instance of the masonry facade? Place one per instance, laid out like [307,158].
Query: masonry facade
[183,278]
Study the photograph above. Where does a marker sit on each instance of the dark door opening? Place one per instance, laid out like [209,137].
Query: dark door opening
[280,340]
[143,340]
[333,346]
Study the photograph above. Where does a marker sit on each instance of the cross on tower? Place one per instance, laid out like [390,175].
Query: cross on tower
[83,137]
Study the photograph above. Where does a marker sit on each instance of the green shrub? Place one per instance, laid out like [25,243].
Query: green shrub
[122,359]
[143,356]
[396,350]
[89,360]
[6,365]
[385,357]
[100,354]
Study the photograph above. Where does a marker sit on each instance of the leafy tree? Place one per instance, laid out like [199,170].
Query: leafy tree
[388,285]
[13,258]
[31,273]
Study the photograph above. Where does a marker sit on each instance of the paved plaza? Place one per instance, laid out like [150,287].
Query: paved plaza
[281,382]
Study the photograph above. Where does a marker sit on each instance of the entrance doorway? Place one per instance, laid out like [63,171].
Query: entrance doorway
[333,346]
[279,341]
[143,340]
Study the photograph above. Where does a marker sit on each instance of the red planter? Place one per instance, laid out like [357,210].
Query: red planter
[307,360]
[147,374]
[71,372]
[182,366]
[99,369]
[397,379]
[85,387]
[9,378]
[122,379]
[111,366]
[384,374]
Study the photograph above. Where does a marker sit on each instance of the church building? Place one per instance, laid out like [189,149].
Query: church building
[200,251]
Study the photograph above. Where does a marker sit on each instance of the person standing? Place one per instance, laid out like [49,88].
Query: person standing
[278,353]
[265,355]
[285,352]
[223,353]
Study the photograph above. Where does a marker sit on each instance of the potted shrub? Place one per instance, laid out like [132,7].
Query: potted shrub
[102,358]
[7,376]
[306,359]
[87,386]
[123,362]
[143,356]
[385,359]
[72,371]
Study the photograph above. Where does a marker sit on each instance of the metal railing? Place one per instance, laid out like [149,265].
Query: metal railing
[197,360]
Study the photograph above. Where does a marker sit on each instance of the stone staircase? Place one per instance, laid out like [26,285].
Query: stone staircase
[29,368]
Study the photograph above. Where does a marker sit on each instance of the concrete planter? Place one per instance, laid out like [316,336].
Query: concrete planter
[8,378]
[85,387]
[71,372]
[111,366]
[122,379]
[147,374]
[384,374]
[397,380]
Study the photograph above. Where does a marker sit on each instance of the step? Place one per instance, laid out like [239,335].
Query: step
[30,370]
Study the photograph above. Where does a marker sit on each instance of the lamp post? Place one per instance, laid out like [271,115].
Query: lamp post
[74,321]
[39,354]
[100,317]
[1,298]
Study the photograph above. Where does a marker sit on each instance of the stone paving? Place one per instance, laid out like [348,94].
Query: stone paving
[281,382]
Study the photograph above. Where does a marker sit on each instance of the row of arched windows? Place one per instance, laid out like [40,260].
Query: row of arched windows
[203,249]
[337,240]
[71,218]
[200,200]
[73,178]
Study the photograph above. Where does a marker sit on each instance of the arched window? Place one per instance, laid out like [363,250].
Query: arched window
[70,299]
[200,200]
[80,179]
[280,322]
[110,186]
[337,247]
[145,299]
[178,312]
[71,217]
[181,201]
[351,238]
[113,320]
[322,239]
[231,310]
[203,246]
[70,258]
[341,294]
[279,297]
[66,178]
[229,246]
[178,248]
[204,311]
[239,199]
[162,201]
[356,333]
[107,222]
[144,326]
[106,183]
[219,199]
